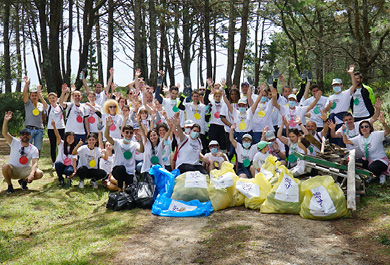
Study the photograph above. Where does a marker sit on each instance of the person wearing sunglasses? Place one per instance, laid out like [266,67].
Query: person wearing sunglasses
[111,109]
[370,143]
[124,150]
[23,159]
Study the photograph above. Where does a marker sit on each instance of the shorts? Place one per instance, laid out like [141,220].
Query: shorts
[36,137]
[20,172]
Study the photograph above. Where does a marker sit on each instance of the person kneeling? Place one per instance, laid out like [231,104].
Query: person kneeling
[22,155]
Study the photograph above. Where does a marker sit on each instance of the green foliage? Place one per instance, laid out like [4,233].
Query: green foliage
[14,103]
[385,240]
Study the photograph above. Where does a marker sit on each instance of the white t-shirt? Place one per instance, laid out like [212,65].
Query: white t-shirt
[276,117]
[108,164]
[216,112]
[149,152]
[218,159]
[359,110]
[243,119]
[75,120]
[243,154]
[168,105]
[30,152]
[351,134]
[259,159]
[229,116]
[291,113]
[56,115]
[93,119]
[281,148]
[189,152]
[120,148]
[86,155]
[191,109]
[374,144]
[321,104]
[115,129]
[342,101]
[259,123]
[61,154]
[101,98]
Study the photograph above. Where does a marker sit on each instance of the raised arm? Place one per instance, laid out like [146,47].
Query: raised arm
[136,80]
[76,148]
[303,128]
[332,128]
[65,93]
[87,89]
[317,97]
[179,131]
[6,135]
[158,88]
[44,103]
[274,98]
[109,122]
[306,94]
[351,71]
[231,137]
[58,136]
[249,96]
[280,132]
[109,82]
[345,139]
[227,102]
[25,89]
[383,121]
[256,103]
[378,104]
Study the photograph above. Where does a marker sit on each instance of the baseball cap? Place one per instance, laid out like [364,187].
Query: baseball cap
[247,135]
[25,130]
[245,84]
[213,142]
[242,101]
[262,144]
[188,123]
[337,81]
[270,135]
[136,126]
[292,96]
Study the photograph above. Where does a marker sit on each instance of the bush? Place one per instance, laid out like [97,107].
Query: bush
[14,103]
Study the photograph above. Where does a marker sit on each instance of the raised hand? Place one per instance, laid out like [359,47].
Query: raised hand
[281,78]
[137,72]
[8,115]
[233,126]
[351,68]
[332,125]
[297,119]
[80,143]
[26,80]
[109,121]
[382,118]
[223,82]
[53,123]
[285,120]
[378,103]
[72,88]
[111,71]
[324,115]
[265,129]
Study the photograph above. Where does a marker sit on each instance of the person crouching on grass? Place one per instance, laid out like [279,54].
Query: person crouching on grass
[21,156]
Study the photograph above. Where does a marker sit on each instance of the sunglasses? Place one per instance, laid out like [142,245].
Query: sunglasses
[112,107]
[128,132]
[22,151]
[364,126]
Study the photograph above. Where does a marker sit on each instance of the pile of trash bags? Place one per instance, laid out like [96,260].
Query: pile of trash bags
[273,190]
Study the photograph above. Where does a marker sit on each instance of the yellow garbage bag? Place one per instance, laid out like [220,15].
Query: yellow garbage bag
[323,199]
[269,167]
[191,185]
[222,187]
[255,190]
[285,196]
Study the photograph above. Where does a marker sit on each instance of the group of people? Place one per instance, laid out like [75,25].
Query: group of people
[115,137]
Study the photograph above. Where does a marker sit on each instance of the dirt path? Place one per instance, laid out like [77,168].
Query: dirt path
[240,236]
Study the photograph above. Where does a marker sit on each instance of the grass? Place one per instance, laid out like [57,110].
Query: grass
[50,225]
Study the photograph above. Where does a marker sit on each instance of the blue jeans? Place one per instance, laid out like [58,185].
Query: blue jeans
[256,137]
[62,169]
[36,137]
[83,137]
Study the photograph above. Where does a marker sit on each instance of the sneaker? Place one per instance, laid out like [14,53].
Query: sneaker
[53,166]
[62,183]
[81,184]
[94,184]
[23,184]
[382,179]
[10,189]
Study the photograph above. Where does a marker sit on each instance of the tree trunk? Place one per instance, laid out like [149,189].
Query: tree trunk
[209,67]
[18,50]
[137,35]
[215,49]
[153,43]
[231,33]
[69,48]
[99,53]
[110,38]
[7,61]
[243,41]
[200,59]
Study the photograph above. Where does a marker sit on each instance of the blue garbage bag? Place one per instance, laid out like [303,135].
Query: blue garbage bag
[165,206]
[164,180]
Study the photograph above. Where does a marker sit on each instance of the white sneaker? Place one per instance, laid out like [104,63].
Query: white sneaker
[81,184]
[382,179]
[94,184]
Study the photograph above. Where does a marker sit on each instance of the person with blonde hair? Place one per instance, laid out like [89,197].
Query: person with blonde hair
[111,109]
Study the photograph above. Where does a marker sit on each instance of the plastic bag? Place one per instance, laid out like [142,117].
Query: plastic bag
[191,185]
[323,199]
[285,196]
[270,166]
[120,201]
[165,206]
[255,190]
[145,192]
[221,187]
[164,180]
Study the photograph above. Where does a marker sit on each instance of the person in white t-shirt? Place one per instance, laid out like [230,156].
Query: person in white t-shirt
[215,157]
[259,158]
[22,155]
[88,157]
[111,109]
[189,150]
[370,143]
[124,149]
[63,162]
[245,153]
[107,163]
[101,96]
[162,131]
[277,148]
[315,113]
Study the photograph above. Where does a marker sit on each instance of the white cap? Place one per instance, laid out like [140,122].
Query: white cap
[247,135]
[292,96]
[337,81]
[242,101]
[188,123]
[213,142]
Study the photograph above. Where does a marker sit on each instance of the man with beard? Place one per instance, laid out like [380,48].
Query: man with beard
[363,100]
[22,155]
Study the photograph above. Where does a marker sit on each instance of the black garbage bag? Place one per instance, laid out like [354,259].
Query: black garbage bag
[120,201]
[145,191]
